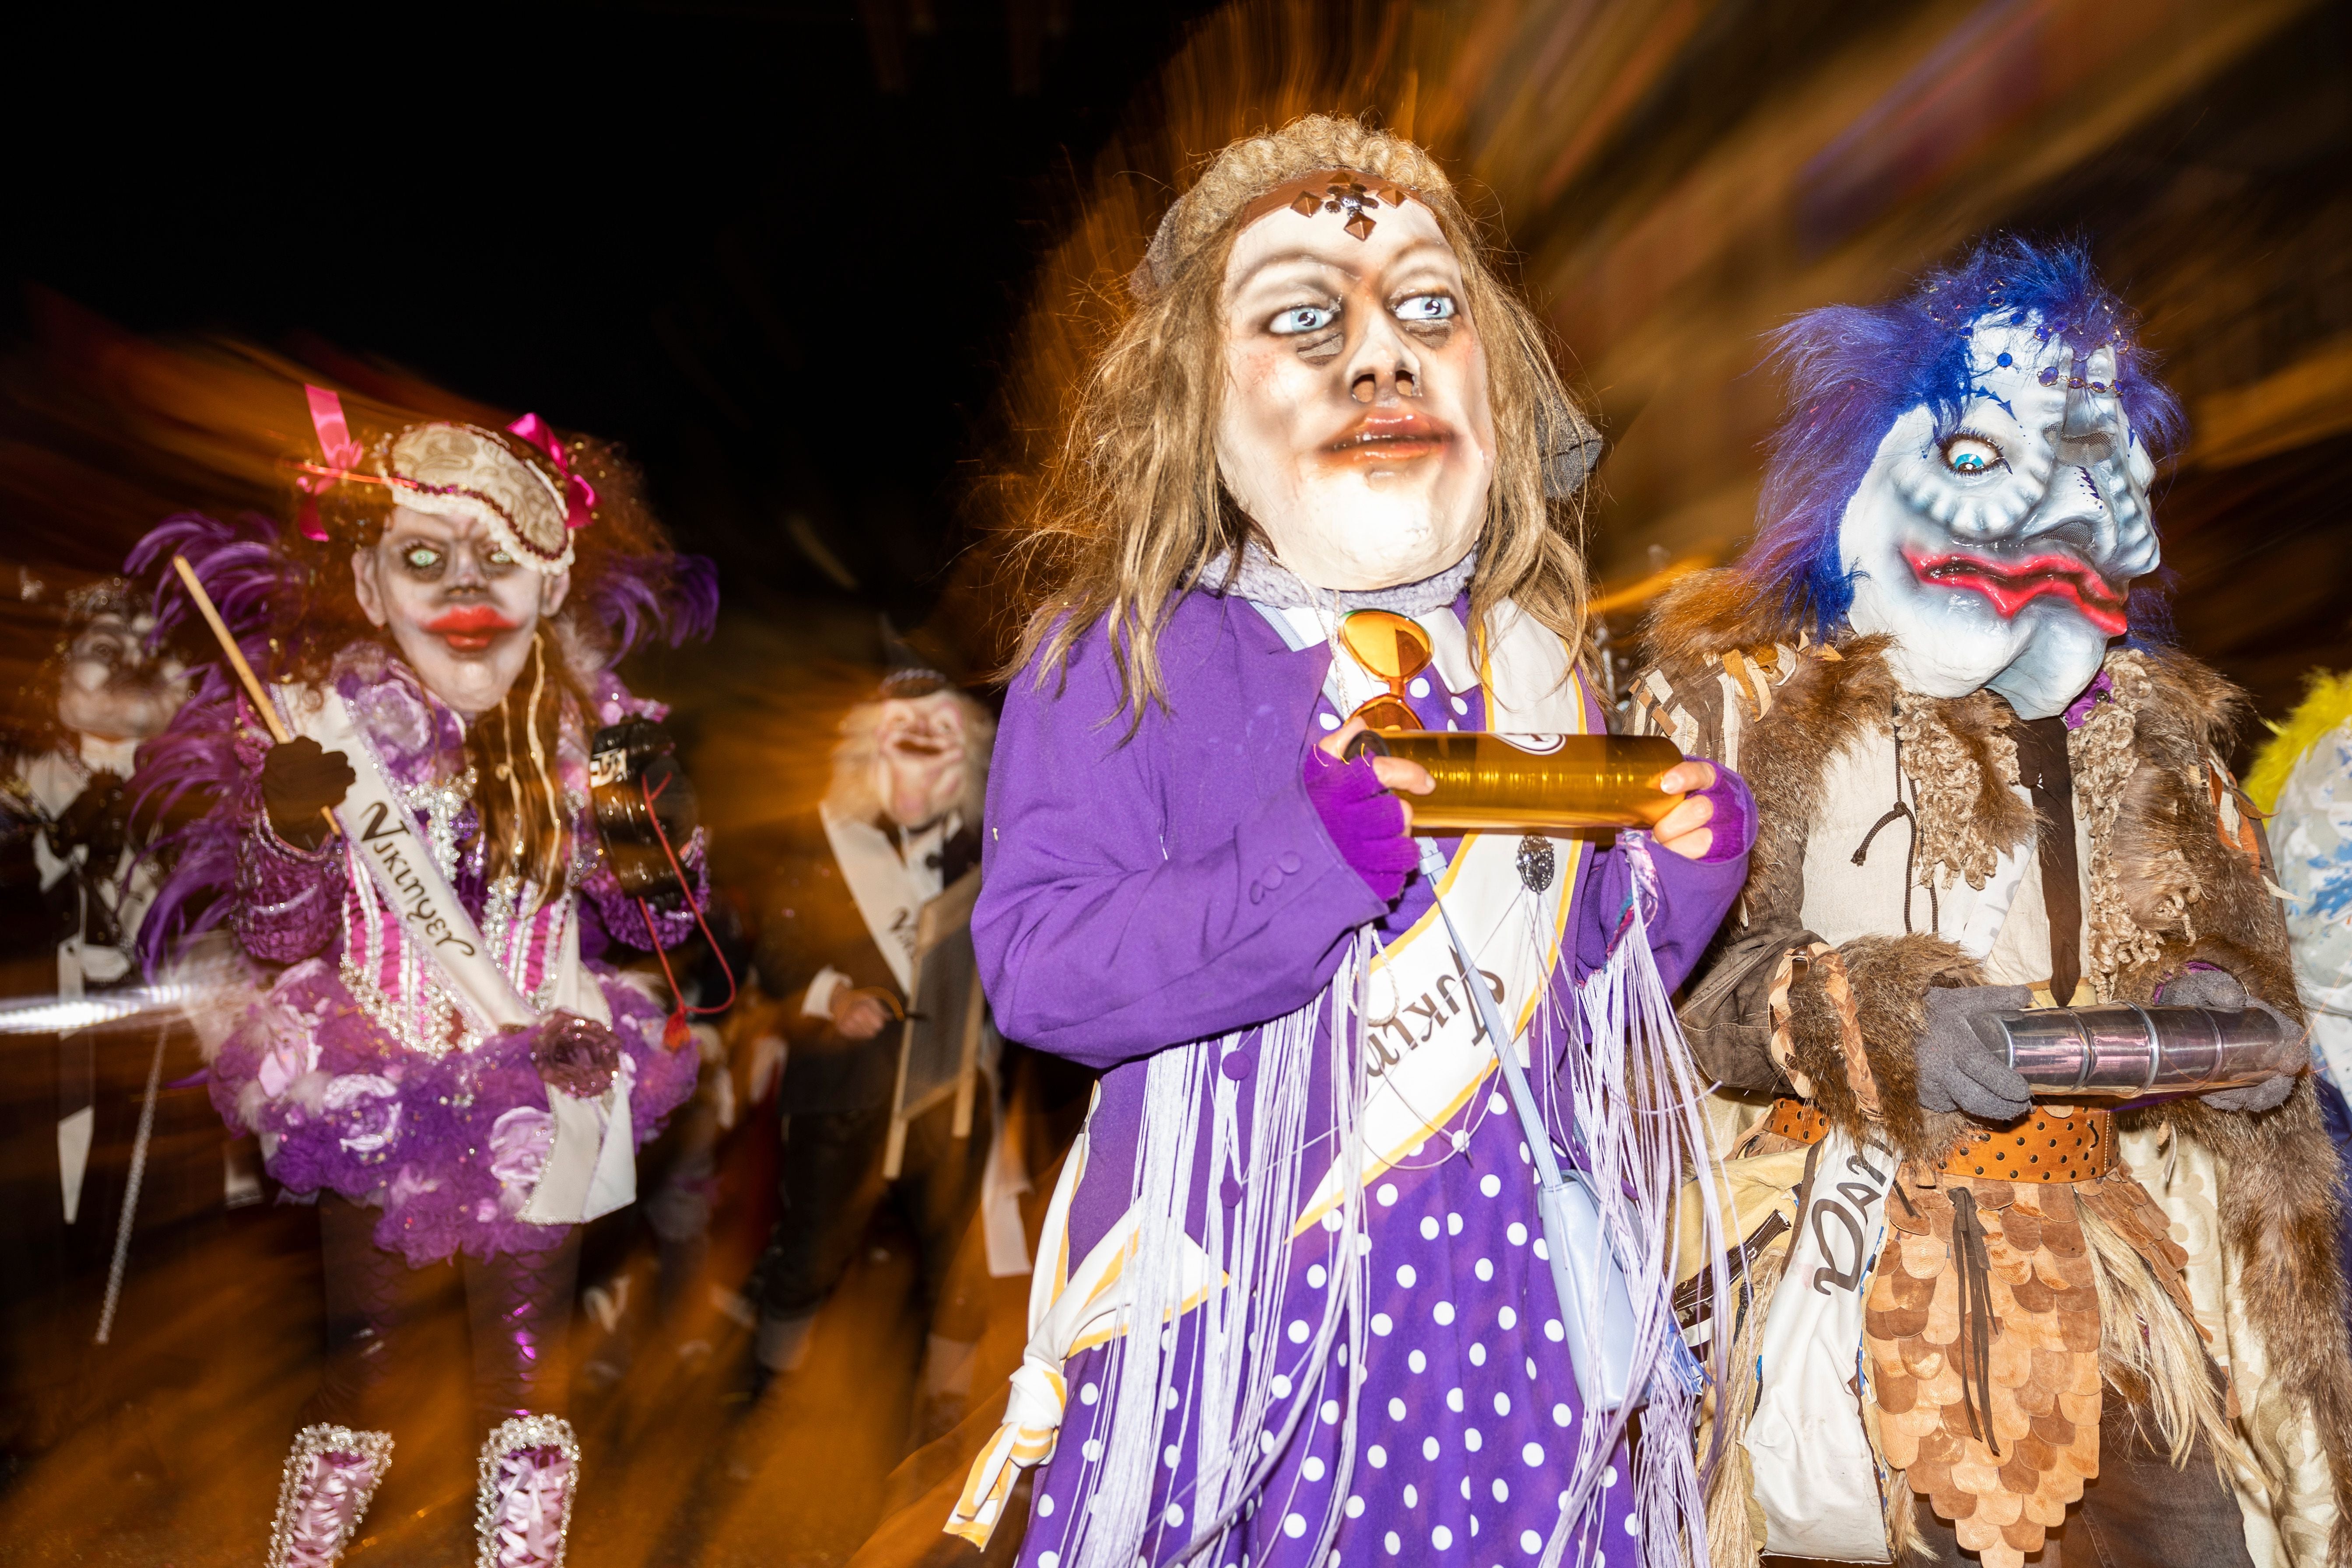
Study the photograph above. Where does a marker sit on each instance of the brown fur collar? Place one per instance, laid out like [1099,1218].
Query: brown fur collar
[2198,895]
[1710,612]
[2190,892]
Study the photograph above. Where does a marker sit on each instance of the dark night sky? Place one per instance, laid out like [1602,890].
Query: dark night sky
[782,250]
[707,230]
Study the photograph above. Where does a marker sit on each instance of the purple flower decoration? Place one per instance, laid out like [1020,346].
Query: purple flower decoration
[575,1055]
[368,1107]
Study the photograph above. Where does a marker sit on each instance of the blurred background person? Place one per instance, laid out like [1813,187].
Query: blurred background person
[2302,782]
[76,885]
[101,692]
[890,853]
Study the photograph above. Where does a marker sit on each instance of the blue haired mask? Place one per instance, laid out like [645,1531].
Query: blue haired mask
[1995,537]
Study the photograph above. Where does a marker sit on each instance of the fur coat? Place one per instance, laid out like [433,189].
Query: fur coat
[2174,872]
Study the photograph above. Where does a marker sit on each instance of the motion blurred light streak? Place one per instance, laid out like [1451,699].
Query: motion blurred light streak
[1652,48]
[1893,151]
[2002,62]
[2308,401]
[63,1015]
[1682,177]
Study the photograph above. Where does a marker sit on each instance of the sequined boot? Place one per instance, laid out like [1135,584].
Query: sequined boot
[330,1475]
[522,1512]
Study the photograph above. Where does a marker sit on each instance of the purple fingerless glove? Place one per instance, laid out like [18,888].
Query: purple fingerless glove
[1734,821]
[1365,821]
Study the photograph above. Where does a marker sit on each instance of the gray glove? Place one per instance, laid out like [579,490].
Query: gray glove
[2219,989]
[1957,1071]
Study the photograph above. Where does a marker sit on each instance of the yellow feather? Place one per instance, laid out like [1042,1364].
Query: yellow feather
[2325,705]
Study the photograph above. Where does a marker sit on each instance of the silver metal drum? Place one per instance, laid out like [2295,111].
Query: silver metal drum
[2122,1051]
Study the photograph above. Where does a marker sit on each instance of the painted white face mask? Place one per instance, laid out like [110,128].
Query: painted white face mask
[918,758]
[1355,429]
[112,688]
[462,610]
[2000,554]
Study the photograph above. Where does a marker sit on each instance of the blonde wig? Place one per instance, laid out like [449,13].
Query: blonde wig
[1132,512]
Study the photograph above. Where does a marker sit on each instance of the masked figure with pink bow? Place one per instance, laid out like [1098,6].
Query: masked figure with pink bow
[437,1054]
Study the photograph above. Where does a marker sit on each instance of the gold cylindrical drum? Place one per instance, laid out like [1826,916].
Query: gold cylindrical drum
[1533,784]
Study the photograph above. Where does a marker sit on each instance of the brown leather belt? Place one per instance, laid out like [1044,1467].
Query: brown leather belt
[2077,1146]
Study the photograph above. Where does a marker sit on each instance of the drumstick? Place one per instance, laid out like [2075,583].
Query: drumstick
[260,699]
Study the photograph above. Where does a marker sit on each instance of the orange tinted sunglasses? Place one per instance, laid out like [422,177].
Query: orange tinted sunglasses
[1392,650]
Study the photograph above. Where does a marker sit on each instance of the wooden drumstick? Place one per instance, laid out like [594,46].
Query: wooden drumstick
[261,703]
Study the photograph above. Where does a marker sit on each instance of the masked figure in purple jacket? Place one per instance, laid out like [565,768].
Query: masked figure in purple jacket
[1326,466]
[437,1054]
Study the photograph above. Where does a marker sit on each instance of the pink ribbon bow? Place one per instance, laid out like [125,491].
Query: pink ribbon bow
[534,1497]
[342,453]
[579,495]
[326,1508]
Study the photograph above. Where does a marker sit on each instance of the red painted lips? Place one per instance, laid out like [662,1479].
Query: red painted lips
[2011,585]
[469,628]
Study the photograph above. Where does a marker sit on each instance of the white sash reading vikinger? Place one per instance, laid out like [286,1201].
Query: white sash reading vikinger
[1428,1038]
[591,1169]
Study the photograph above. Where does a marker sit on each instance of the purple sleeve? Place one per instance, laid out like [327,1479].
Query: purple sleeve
[286,898]
[1103,932]
[1693,895]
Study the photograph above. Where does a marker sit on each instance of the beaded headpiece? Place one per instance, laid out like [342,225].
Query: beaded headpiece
[458,471]
[463,471]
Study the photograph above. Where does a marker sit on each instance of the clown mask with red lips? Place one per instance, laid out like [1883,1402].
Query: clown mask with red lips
[460,606]
[1996,546]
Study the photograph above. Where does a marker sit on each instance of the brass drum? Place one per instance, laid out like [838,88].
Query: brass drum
[1532,783]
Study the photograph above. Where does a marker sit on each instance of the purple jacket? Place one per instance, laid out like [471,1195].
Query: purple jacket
[1177,886]
[1145,892]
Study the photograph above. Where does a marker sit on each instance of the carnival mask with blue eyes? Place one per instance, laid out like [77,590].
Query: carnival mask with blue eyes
[1998,548]
[1355,428]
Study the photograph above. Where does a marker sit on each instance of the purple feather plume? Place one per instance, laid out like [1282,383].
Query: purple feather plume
[240,563]
[637,598]
[191,778]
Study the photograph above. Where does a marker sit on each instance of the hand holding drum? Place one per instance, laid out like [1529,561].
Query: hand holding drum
[1538,784]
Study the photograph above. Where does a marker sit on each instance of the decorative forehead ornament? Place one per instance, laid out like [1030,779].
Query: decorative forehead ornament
[1332,191]
[461,471]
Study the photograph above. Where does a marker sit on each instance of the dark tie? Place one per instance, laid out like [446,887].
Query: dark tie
[2043,762]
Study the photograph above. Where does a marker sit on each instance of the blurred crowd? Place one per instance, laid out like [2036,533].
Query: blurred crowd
[787,1345]
[824,1268]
